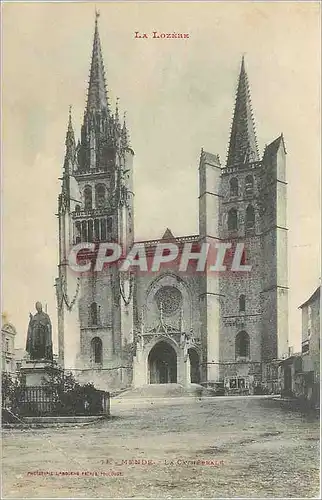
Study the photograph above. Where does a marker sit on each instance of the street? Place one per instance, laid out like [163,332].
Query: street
[170,448]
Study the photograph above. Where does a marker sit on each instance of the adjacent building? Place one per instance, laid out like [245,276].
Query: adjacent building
[311,344]
[300,372]
[8,334]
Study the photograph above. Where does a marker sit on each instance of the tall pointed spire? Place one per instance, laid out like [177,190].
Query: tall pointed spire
[97,94]
[243,144]
[117,114]
[117,117]
[125,136]
[101,133]
[70,136]
[70,141]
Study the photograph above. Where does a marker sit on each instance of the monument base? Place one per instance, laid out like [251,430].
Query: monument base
[38,372]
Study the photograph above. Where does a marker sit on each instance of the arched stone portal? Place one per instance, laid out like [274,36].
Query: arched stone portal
[162,363]
[194,366]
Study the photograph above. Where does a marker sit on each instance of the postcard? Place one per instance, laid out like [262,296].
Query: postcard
[161,249]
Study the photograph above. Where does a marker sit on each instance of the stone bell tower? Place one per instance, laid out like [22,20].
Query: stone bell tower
[243,315]
[95,309]
[253,212]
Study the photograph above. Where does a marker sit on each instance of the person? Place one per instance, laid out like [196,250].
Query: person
[39,337]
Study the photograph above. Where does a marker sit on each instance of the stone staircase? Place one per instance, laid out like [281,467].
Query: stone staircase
[166,391]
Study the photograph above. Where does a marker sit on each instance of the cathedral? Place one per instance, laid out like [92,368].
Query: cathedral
[119,329]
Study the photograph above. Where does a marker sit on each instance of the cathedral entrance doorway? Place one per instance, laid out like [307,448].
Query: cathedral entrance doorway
[162,363]
[194,366]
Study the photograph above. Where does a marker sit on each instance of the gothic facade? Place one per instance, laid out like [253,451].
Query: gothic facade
[118,329]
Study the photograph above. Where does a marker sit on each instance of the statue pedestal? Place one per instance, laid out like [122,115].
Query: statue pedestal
[36,373]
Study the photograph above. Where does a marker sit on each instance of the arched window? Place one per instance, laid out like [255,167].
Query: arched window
[93,314]
[250,217]
[97,350]
[242,345]
[233,186]
[100,196]
[77,208]
[249,185]
[232,219]
[242,303]
[88,202]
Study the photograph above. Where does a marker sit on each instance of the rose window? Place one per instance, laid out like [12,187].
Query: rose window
[170,298]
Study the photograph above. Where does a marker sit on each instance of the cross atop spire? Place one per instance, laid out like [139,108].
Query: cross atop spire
[97,95]
[243,143]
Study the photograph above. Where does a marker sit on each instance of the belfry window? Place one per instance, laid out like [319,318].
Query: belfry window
[250,217]
[90,230]
[233,186]
[97,229]
[242,303]
[84,230]
[97,350]
[103,229]
[100,196]
[232,220]
[93,314]
[109,224]
[88,202]
[78,232]
[249,185]
[242,347]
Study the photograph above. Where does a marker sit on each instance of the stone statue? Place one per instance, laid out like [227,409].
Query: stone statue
[39,337]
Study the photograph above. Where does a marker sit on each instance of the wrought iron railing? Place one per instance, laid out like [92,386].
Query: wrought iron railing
[45,401]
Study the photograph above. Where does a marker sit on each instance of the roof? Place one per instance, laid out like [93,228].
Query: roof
[290,358]
[313,297]
[209,158]
[168,235]
[8,328]
[272,148]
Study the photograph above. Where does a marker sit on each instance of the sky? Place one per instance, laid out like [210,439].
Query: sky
[178,95]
